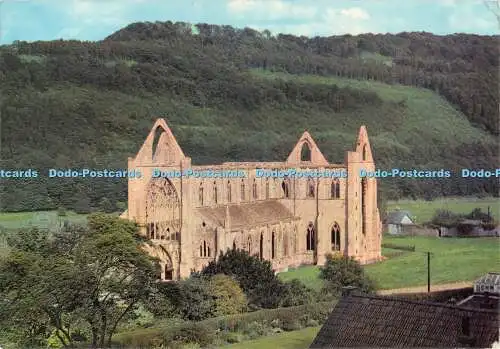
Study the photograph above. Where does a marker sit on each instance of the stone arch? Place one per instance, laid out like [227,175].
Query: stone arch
[162,210]
[310,237]
[305,151]
[335,237]
[165,260]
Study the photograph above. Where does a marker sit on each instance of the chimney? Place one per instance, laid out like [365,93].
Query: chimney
[348,290]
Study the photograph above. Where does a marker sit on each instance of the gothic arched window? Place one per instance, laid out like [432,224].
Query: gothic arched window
[215,192]
[242,188]
[311,242]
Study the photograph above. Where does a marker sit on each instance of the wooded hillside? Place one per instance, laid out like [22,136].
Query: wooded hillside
[232,94]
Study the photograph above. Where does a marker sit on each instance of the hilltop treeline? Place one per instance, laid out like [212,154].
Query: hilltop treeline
[90,104]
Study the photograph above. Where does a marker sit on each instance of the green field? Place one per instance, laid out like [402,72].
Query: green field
[452,260]
[301,339]
[43,219]
[422,211]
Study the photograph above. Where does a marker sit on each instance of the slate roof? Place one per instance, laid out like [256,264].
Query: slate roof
[491,280]
[248,214]
[396,217]
[370,321]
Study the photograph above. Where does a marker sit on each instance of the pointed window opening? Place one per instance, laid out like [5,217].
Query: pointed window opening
[285,187]
[234,245]
[208,251]
[273,245]
[169,273]
[201,250]
[310,243]
[363,205]
[254,189]
[261,247]
[335,189]
[242,187]
[228,191]
[204,248]
[158,132]
[335,238]
[151,229]
[310,188]
[200,194]
[249,245]
[365,153]
[215,192]
[305,152]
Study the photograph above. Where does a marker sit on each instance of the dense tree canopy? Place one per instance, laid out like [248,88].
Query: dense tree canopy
[74,281]
[73,104]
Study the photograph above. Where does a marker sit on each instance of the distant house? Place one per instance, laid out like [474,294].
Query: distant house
[376,321]
[488,283]
[470,228]
[396,220]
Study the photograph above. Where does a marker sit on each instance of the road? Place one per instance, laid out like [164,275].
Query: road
[422,289]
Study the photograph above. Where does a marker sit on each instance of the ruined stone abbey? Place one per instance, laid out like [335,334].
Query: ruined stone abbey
[289,221]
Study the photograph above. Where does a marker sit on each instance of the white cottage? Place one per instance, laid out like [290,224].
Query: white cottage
[396,220]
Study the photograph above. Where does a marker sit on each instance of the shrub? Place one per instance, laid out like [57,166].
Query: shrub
[255,276]
[143,338]
[191,332]
[228,295]
[340,271]
[410,248]
[296,293]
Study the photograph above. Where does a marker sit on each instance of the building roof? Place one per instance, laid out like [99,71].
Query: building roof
[492,280]
[396,217]
[369,321]
[247,214]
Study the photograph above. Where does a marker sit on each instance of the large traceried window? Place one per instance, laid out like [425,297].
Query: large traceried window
[162,210]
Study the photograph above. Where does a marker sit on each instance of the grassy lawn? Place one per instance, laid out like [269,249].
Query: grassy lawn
[452,260]
[19,220]
[301,339]
[424,210]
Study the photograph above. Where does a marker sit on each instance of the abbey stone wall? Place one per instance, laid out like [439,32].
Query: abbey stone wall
[289,221]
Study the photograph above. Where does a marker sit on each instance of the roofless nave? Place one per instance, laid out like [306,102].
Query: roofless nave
[289,221]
